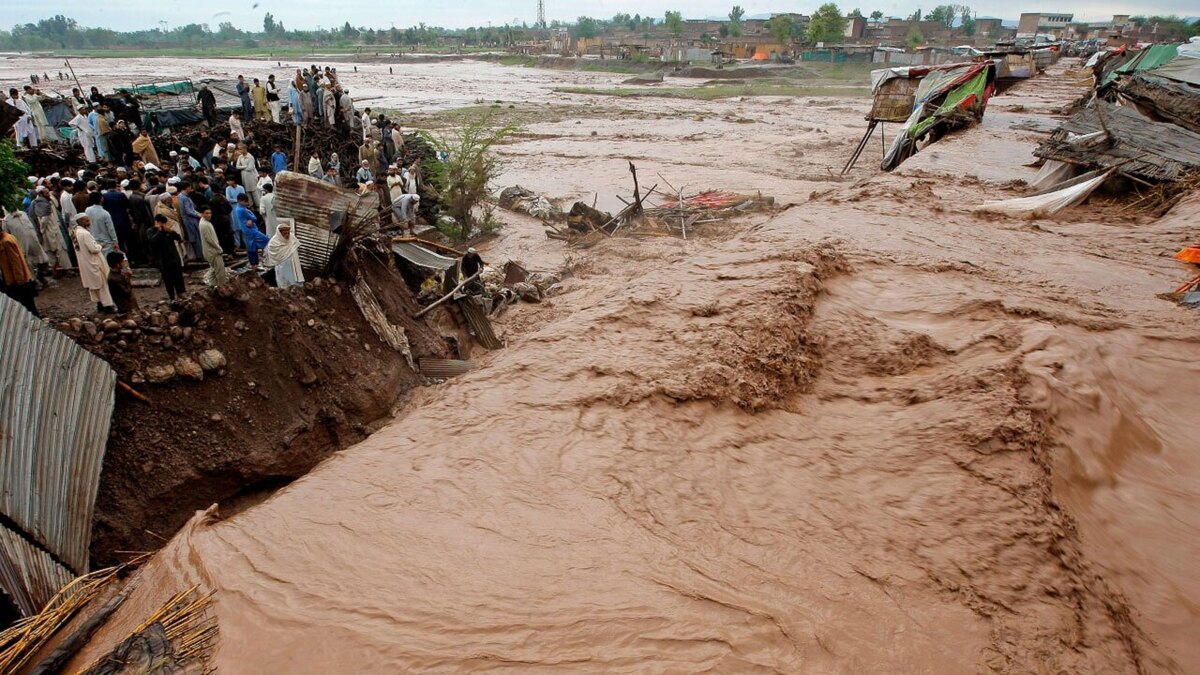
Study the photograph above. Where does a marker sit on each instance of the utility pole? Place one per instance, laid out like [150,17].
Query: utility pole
[541,20]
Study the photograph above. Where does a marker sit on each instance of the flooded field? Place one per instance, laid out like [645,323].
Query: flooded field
[870,432]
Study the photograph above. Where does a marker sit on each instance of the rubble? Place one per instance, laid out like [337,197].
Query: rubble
[517,198]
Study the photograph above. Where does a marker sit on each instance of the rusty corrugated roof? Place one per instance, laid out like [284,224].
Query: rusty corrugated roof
[422,257]
[318,208]
[56,402]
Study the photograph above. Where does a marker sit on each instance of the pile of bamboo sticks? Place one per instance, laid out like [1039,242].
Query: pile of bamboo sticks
[21,641]
[187,624]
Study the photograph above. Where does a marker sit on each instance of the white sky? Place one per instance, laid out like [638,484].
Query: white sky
[308,14]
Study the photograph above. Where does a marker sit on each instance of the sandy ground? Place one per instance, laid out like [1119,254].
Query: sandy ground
[870,433]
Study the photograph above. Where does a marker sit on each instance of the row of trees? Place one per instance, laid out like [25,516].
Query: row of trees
[826,24]
[60,32]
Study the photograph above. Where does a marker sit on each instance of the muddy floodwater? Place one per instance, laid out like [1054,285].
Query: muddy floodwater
[869,432]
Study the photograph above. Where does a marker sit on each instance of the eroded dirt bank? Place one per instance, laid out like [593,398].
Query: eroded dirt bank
[872,433]
[295,376]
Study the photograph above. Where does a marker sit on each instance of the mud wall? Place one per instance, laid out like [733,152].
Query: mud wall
[248,389]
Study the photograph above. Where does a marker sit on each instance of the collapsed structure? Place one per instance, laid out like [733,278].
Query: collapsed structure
[1137,129]
[927,102]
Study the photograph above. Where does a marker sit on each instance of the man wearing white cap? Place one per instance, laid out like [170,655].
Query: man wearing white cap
[93,268]
[404,211]
[47,223]
[83,134]
[364,176]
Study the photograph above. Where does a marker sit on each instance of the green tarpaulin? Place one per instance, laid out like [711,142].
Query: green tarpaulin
[974,87]
[183,87]
[1149,58]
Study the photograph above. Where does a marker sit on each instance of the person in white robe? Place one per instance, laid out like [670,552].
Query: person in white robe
[83,134]
[93,268]
[25,129]
[34,98]
[249,167]
[18,224]
[283,255]
[268,209]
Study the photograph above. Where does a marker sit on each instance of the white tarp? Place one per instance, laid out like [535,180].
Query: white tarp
[1052,173]
[1063,196]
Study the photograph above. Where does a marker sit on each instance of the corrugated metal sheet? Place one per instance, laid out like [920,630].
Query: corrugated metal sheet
[56,402]
[28,574]
[444,367]
[422,257]
[477,321]
[319,209]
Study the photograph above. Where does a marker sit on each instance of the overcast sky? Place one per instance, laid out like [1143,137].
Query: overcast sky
[134,14]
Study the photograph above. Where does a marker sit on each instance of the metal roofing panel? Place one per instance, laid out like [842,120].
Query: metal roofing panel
[314,204]
[28,574]
[422,257]
[56,402]
[444,367]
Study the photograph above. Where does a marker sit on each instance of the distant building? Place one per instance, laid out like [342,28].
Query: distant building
[856,27]
[1032,24]
[989,27]
[896,31]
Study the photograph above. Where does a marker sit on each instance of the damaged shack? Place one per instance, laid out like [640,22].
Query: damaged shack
[928,102]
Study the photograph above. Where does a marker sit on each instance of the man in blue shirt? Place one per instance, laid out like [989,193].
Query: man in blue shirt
[232,192]
[243,91]
[245,220]
[93,119]
[191,220]
[278,161]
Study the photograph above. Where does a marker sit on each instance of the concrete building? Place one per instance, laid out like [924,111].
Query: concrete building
[989,27]
[1032,24]
[895,32]
[856,27]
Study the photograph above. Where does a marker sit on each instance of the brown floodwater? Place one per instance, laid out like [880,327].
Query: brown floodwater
[868,433]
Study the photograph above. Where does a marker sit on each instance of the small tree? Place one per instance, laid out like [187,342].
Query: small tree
[915,38]
[461,179]
[723,31]
[780,26]
[916,16]
[674,23]
[827,24]
[876,15]
[13,172]
[735,20]
[586,27]
[855,13]
[943,14]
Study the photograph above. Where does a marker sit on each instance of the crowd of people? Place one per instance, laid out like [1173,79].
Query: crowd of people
[103,221]
[133,206]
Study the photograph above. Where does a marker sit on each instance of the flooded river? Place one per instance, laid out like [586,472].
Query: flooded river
[869,433]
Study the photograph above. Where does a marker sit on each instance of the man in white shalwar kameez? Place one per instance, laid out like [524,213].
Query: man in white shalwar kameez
[83,134]
[26,131]
[283,254]
[34,98]
[93,268]
[18,224]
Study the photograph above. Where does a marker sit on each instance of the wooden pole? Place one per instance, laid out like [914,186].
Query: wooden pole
[296,151]
[77,84]
[682,220]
